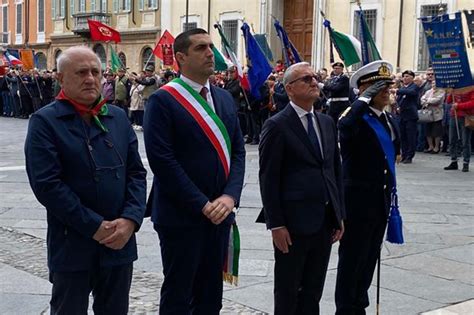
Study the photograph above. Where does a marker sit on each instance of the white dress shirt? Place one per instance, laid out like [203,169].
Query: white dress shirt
[379,113]
[302,115]
[198,87]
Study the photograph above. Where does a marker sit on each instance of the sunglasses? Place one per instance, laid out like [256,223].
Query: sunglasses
[306,79]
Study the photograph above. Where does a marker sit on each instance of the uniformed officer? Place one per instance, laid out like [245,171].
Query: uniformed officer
[337,90]
[370,143]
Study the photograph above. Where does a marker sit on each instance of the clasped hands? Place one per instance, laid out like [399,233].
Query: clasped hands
[218,210]
[282,239]
[115,234]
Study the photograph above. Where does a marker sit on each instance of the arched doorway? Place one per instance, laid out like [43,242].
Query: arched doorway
[100,52]
[41,62]
[147,57]
[298,23]
[123,59]
[56,56]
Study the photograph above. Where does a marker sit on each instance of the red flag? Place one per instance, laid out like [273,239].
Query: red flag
[166,40]
[102,32]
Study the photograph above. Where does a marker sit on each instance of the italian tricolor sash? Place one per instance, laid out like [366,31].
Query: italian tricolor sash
[208,121]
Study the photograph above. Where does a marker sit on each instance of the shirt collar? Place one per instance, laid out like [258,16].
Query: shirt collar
[376,111]
[299,111]
[196,86]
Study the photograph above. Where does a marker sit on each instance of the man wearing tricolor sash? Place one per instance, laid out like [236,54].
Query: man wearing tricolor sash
[370,147]
[196,152]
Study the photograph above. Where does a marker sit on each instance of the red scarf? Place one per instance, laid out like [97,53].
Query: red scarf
[82,109]
[99,109]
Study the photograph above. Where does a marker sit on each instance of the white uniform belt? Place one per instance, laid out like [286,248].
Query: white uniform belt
[338,99]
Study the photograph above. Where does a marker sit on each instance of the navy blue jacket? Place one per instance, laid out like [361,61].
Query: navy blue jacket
[280,97]
[81,187]
[295,182]
[407,100]
[367,179]
[337,86]
[187,170]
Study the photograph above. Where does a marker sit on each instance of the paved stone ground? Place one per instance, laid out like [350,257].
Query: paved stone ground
[433,272]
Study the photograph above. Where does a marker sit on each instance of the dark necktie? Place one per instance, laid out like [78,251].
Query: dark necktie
[203,93]
[383,120]
[312,135]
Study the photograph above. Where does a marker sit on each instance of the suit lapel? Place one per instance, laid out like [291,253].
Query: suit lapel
[297,127]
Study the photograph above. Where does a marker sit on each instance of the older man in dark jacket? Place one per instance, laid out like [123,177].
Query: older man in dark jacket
[83,165]
[407,100]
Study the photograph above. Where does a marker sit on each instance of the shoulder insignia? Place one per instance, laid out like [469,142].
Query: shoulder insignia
[344,113]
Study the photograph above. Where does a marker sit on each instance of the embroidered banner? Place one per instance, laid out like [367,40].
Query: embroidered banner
[447,49]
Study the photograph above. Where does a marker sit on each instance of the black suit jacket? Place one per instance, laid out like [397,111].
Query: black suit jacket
[367,178]
[293,178]
[408,99]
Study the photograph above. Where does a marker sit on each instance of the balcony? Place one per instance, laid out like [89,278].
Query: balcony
[80,21]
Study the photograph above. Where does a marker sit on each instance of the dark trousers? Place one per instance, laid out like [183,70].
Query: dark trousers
[137,117]
[461,143]
[255,125]
[37,103]
[408,138]
[110,287]
[300,274]
[17,111]
[358,253]
[26,104]
[193,258]
[421,143]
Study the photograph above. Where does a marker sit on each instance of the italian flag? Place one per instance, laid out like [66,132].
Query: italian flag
[222,63]
[348,47]
[233,58]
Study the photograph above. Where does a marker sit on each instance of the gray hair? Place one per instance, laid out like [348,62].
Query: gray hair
[288,76]
[65,58]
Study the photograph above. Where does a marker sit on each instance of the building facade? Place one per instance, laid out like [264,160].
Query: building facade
[394,24]
[25,24]
[50,26]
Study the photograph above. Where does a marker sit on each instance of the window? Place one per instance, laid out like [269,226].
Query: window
[423,52]
[58,8]
[189,26]
[40,16]
[371,19]
[147,57]
[100,52]
[41,61]
[77,6]
[148,5]
[231,32]
[123,59]
[19,18]
[99,5]
[5,25]
[122,5]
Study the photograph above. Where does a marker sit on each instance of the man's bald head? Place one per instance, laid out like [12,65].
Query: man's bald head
[68,55]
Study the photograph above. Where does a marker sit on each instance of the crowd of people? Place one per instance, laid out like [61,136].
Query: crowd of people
[410,95]
[24,92]
[323,178]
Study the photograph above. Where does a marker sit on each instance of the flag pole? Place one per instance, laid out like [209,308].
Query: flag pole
[148,61]
[187,14]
